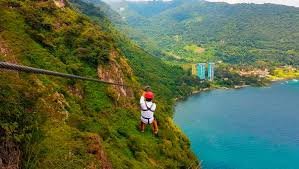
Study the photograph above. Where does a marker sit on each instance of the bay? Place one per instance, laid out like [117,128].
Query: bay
[250,128]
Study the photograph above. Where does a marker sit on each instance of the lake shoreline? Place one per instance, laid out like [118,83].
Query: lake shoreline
[195,92]
[236,87]
[222,111]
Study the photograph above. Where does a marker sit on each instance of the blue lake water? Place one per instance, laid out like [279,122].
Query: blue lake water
[250,128]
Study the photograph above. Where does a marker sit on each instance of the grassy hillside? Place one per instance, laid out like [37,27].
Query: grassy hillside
[50,122]
[238,34]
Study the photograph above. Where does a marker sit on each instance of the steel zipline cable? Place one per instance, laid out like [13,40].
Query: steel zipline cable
[20,68]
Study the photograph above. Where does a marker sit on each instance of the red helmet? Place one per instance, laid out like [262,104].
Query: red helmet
[149,95]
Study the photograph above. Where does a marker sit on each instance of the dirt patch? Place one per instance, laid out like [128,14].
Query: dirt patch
[6,52]
[199,50]
[9,155]
[95,147]
[76,91]
[194,48]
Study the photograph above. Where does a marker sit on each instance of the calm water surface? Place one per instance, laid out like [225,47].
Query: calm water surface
[251,128]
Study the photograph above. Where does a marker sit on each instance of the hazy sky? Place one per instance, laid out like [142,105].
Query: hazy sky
[284,2]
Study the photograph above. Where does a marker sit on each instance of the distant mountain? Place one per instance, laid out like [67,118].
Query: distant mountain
[239,33]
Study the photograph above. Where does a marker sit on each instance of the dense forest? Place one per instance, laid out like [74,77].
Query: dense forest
[52,122]
[184,31]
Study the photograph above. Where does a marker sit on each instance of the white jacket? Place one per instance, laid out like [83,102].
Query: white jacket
[147,108]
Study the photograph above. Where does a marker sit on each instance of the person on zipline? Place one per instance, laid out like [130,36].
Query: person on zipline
[147,111]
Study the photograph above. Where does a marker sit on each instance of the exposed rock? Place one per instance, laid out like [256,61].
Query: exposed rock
[61,104]
[54,106]
[95,147]
[112,72]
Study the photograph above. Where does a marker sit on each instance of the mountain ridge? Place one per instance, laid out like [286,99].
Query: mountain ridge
[240,33]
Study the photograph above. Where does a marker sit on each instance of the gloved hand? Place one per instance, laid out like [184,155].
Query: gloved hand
[147,88]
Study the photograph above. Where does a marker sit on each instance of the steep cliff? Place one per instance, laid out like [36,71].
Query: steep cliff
[51,122]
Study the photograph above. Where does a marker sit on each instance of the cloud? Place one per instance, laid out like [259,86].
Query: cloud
[283,2]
